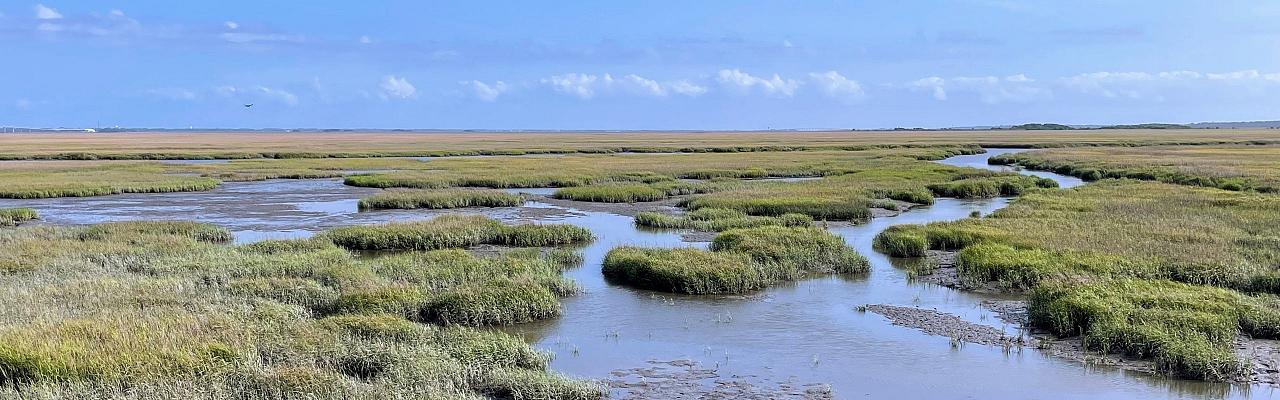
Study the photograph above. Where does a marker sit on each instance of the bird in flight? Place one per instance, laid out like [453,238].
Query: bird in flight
[248,105]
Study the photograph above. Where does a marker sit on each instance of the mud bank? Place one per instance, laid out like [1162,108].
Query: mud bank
[686,379]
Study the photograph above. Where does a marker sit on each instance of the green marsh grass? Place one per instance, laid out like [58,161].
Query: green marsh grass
[17,216]
[1187,330]
[1113,227]
[1236,167]
[691,271]
[717,220]
[793,251]
[740,260]
[454,231]
[439,199]
[30,180]
[156,310]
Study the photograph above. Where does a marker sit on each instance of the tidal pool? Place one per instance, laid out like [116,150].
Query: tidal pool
[806,332]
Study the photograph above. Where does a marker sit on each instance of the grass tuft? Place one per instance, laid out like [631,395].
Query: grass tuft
[439,199]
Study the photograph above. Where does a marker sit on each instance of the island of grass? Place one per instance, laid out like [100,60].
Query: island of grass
[440,199]
[1156,271]
[17,216]
[168,310]
[740,261]
[455,231]
[717,220]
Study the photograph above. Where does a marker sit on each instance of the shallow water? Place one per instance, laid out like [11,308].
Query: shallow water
[803,332]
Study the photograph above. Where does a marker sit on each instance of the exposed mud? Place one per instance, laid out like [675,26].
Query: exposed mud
[686,379]
[938,323]
[939,268]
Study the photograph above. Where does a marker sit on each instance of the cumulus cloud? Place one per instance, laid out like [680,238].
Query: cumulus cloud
[486,91]
[586,86]
[743,82]
[232,25]
[835,85]
[43,12]
[933,84]
[397,87]
[989,89]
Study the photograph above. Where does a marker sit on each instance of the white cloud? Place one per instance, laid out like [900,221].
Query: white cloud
[485,91]
[586,86]
[278,95]
[232,25]
[581,85]
[43,12]
[686,88]
[22,104]
[933,84]
[247,37]
[990,89]
[398,87]
[173,93]
[837,86]
[365,40]
[743,82]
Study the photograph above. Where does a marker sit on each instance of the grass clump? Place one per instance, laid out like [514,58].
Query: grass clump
[439,199]
[611,193]
[193,230]
[717,220]
[454,231]
[1187,330]
[690,271]
[498,303]
[740,260]
[17,216]
[789,252]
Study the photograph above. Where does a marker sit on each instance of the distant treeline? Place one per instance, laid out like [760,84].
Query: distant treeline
[1061,127]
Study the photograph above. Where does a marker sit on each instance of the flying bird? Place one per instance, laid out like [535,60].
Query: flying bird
[248,105]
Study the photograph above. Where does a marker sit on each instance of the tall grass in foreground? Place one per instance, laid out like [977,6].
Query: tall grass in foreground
[454,231]
[149,310]
[741,260]
[439,199]
[17,216]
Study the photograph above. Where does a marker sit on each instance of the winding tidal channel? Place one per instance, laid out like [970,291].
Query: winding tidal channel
[803,339]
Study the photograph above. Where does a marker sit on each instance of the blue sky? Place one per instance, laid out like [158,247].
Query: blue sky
[707,64]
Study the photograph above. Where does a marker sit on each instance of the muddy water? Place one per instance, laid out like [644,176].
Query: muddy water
[808,332]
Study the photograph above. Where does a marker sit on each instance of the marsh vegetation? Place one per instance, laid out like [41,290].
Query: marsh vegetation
[740,260]
[163,310]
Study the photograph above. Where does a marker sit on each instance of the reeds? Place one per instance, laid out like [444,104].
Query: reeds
[17,216]
[717,220]
[439,199]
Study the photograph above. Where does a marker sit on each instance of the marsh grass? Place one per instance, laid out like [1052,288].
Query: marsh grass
[439,199]
[792,252]
[188,229]
[61,179]
[740,260]
[1188,330]
[454,231]
[155,310]
[1236,167]
[717,220]
[1113,227]
[17,216]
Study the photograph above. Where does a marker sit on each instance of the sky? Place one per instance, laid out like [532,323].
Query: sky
[706,64]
